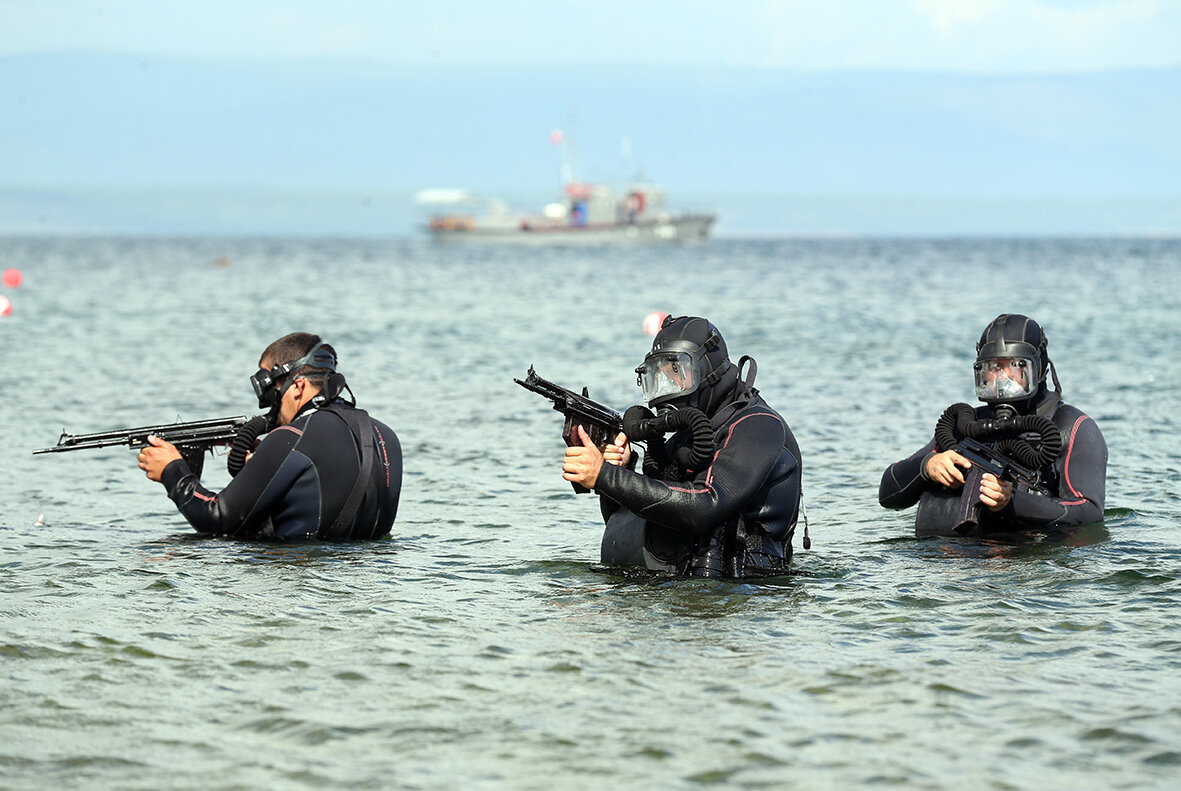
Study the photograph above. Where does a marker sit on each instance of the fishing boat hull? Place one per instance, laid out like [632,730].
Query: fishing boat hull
[682,229]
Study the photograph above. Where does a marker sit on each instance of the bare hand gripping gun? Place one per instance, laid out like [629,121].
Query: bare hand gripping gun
[191,439]
[601,423]
[985,460]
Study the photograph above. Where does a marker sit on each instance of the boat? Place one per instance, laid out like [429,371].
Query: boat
[587,214]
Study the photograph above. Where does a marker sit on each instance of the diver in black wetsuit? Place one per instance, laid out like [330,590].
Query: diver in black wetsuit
[1011,367]
[721,497]
[325,469]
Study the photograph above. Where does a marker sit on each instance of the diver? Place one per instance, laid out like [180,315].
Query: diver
[719,497]
[1063,447]
[324,469]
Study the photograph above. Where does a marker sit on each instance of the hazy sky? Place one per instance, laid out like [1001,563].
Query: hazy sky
[988,100]
[994,36]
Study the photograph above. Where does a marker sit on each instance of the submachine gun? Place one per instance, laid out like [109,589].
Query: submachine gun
[1014,458]
[601,423]
[985,460]
[191,439]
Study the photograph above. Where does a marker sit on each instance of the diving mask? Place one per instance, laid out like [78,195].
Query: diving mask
[1001,379]
[266,382]
[667,374]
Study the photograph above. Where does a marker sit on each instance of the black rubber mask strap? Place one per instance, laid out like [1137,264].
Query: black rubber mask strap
[294,374]
[715,374]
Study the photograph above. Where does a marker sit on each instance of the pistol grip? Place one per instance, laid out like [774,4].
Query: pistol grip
[570,435]
[598,434]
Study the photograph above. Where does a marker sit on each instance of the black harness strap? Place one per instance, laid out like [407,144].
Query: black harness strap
[754,369]
[361,427]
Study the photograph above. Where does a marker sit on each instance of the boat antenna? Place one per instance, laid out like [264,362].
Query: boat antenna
[625,156]
[570,153]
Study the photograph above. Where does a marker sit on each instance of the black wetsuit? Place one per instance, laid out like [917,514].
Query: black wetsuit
[1071,487]
[734,519]
[299,480]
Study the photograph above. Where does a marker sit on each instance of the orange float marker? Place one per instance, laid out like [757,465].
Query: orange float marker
[653,321]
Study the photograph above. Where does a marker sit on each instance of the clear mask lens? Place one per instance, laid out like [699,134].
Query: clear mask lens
[1005,379]
[665,374]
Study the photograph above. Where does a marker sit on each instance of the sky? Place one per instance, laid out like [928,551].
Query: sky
[978,36]
[881,110]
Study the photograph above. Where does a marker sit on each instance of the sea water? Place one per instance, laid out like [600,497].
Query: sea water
[478,647]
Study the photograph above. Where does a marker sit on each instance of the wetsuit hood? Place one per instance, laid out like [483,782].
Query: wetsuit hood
[693,342]
[1018,338]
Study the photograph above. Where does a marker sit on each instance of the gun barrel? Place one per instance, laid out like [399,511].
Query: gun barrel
[543,387]
[609,418]
[568,402]
[198,432]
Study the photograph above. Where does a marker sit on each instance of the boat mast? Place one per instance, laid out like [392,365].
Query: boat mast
[568,152]
[625,159]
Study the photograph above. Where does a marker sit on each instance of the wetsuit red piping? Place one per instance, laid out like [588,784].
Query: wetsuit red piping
[709,474]
[1066,467]
[385,459]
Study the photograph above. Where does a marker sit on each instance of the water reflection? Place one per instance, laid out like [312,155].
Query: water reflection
[1018,544]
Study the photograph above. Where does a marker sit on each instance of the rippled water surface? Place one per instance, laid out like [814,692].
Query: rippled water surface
[478,647]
